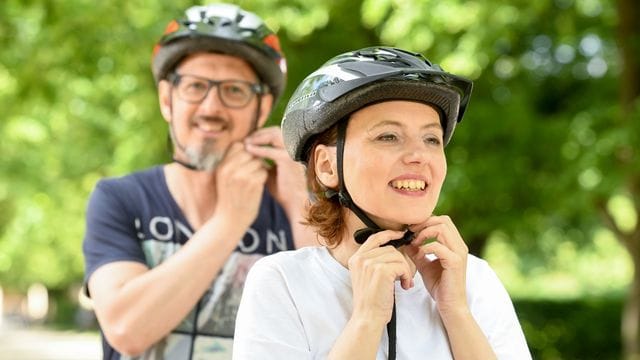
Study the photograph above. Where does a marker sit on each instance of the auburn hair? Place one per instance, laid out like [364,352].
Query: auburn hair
[324,214]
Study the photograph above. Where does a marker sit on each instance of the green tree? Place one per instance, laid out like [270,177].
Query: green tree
[548,149]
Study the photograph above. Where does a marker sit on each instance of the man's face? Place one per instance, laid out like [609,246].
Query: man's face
[202,131]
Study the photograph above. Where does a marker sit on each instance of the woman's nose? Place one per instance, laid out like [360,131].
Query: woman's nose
[415,152]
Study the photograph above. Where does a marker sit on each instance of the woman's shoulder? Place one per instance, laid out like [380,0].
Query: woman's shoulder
[476,263]
[295,268]
[481,278]
[480,270]
[292,259]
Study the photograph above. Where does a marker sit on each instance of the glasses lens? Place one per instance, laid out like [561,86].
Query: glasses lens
[232,93]
[192,89]
[235,93]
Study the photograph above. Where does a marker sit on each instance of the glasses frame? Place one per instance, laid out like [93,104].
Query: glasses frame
[255,88]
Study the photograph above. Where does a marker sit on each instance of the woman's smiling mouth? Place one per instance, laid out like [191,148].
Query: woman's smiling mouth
[410,185]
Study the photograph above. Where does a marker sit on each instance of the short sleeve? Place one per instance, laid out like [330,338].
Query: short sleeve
[493,310]
[268,325]
[110,233]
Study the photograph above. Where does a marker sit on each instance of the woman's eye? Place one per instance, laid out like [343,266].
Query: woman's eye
[386,137]
[433,140]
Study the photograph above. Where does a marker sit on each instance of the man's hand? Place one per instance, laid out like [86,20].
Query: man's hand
[240,182]
[286,181]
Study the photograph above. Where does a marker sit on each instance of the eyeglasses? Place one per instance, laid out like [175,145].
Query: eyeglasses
[232,93]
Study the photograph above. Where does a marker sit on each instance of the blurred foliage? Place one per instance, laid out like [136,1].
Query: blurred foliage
[586,329]
[568,271]
[541,145]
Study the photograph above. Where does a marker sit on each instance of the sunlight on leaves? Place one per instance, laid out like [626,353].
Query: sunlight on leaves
[623,212]
[590,178]
[591,8]
[569,273]
[8,83]
[374,11]
[22,128]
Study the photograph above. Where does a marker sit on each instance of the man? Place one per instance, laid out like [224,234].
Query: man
[167,249]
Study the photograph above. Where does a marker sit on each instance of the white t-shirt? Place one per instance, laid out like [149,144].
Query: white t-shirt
[295,304]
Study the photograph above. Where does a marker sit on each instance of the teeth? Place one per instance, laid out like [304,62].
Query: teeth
[210,126]
[413,185]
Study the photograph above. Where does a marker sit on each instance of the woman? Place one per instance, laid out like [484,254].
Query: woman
[393,279]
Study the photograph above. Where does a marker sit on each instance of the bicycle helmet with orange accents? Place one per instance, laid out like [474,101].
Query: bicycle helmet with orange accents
[227,29]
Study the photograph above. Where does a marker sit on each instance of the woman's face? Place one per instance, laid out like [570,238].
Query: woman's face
[394,162]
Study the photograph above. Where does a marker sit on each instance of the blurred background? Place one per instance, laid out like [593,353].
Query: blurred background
[544,173]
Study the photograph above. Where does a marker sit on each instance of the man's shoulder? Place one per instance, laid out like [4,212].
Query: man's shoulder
[141,177]
[131,187]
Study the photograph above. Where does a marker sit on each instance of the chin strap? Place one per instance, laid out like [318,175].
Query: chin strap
[391,332]
[173,139]
[343,193]
[185,164]
[363,234]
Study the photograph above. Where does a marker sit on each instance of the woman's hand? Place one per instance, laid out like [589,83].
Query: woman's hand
[374,270]
[445,276]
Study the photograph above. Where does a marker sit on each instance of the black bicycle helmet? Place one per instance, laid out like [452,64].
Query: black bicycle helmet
[227,29]
[355,79]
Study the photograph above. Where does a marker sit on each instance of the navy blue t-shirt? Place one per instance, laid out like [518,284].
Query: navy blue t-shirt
[135,218]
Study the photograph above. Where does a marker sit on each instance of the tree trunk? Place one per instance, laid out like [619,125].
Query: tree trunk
[629,45]
[631,319]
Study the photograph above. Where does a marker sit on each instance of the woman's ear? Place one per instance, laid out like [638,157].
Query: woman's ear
[164,97]
[326,167]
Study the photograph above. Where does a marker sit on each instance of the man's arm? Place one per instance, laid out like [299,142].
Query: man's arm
[137,306]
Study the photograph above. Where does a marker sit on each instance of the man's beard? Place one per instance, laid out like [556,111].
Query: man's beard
[205,158]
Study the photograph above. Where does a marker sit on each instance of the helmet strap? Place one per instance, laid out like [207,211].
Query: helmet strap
[363,234]
[174,139]
[181,147]
[185,164]
[343,193]
[254,126]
